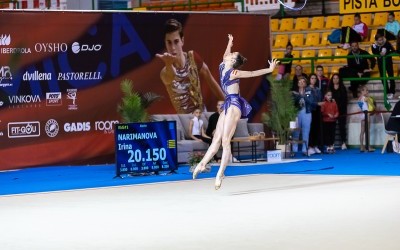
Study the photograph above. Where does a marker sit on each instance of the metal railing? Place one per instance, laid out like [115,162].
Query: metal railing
[383,78]
[189,4]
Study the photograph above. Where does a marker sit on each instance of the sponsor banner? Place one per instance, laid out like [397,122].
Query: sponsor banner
[356,6]
[59,95]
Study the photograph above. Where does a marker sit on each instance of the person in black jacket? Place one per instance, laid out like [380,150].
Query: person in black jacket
[393,124]
[339,94]
[212,121]
[358,67]
[382,47]
[298,73]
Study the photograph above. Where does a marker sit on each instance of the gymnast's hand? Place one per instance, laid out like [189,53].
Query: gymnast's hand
[230,38]
[273,63]
[167,58]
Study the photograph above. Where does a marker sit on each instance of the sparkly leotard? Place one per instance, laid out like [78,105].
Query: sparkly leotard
[232,99]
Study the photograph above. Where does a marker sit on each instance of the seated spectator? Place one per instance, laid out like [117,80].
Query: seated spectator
[393,124]
[339,94]
[285,67]
[382,47]
[357,67]
[196,128]
[357,33]
[392,28]
[323,81]
[298,72]
[213,120]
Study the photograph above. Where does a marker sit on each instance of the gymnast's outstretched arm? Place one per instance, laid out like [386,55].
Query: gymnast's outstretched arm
[246,74]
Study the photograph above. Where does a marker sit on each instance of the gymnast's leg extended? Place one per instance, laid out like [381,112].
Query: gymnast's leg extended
[232,117]
[213,149]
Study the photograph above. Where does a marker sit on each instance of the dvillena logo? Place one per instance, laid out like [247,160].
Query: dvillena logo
[5,40]
[23,129]
[52,128]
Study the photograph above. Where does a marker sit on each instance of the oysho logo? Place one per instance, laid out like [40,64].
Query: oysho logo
[51,47]
[106,126]
[5,40]
[76,47]
[53,99]
[23,129]
[52,128]
[77,126]
[71,94]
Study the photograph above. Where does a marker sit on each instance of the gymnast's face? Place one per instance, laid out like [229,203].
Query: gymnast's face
[174,43]
[231,57]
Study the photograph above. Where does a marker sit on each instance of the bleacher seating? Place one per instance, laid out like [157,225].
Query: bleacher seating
[297,40]
[317,23]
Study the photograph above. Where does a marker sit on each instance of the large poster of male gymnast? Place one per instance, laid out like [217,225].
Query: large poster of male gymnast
[60,75]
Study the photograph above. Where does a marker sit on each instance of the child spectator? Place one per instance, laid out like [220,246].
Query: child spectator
[285,68]
[196,128]
[339,94]
[365,103]
[392,27]
[330,113]
[382,47]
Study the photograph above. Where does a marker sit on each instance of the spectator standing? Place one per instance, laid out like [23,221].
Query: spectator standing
[298,73]
[323,81]
[393,124]
[382,47]
[305,102]
[315,127]
[285,67]
[366,103]
[330,113]
[339,94]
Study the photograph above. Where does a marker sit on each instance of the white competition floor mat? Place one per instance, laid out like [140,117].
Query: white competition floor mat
[279,212]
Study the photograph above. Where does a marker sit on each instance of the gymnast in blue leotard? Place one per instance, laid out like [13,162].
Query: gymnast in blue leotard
[234,108]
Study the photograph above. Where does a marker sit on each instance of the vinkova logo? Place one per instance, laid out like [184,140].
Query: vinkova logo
[5,40]
[76,47]
[5,76]
[24,99]
[23,129]
[53,99]
[36,76]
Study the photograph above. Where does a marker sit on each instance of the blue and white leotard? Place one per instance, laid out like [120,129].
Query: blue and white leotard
[232,99]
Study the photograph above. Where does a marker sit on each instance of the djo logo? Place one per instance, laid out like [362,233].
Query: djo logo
[52,128]
[76,47]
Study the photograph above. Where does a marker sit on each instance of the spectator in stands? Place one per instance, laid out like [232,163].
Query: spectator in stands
[212,121]
[183,71]
[392,28]
[357,67]
[315,128]
[285,67]
[382,47]
[366,103]
[196,128]
[339,94]
[305,102]
[298,72]
[330,113]
[323,81]
[393,124]
[357,33]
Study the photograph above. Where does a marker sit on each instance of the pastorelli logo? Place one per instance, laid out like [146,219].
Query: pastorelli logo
[5,40]
[53,99]
[79,76]
[23,129]
[36,76]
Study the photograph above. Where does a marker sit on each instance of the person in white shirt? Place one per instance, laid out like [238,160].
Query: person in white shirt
[196,128]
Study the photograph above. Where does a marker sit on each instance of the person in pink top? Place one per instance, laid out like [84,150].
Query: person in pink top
[356,33]
[360,27]
[330,114]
